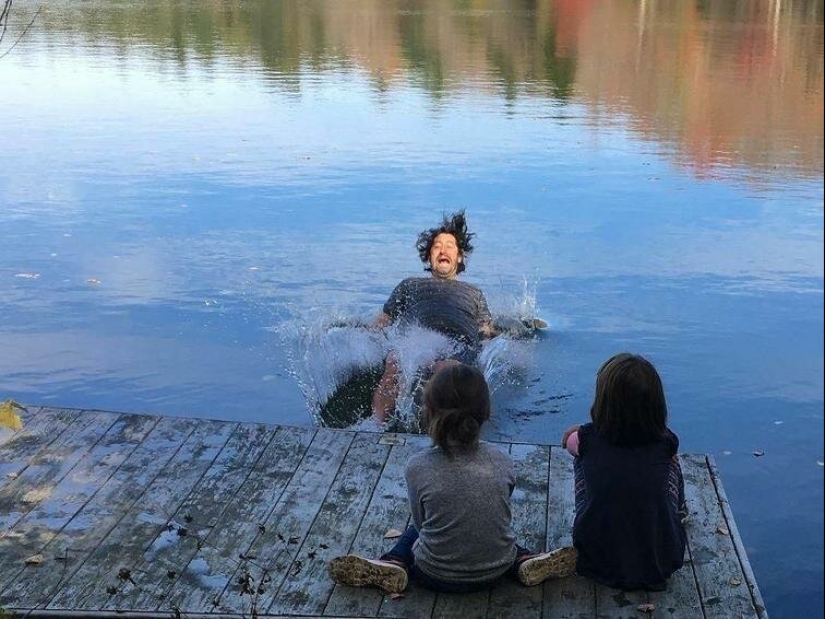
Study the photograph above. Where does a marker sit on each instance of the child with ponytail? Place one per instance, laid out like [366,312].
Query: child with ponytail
[461,538]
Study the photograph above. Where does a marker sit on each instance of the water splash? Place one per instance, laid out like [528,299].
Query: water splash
[337,359]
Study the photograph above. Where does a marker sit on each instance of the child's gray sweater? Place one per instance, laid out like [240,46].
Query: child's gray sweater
[461,508]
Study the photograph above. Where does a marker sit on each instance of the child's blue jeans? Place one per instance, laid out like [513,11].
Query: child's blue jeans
[402,553]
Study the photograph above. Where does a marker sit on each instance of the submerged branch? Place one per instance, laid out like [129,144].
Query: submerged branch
[4,18]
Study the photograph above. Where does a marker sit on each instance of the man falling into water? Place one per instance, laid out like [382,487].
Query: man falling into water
[440,303]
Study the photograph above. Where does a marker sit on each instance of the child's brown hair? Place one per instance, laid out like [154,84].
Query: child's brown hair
[629,406]
[456,404]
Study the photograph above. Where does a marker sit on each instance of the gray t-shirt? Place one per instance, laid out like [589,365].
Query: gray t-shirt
[461,508]
[449,306]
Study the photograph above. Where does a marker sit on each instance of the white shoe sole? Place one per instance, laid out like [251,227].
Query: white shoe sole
[559,563]
[359,572]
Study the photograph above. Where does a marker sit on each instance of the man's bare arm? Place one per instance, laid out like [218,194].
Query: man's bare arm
[381,321]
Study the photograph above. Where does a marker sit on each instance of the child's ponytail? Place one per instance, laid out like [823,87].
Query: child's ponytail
[456,404]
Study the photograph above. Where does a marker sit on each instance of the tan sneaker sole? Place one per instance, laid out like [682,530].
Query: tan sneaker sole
[359,572]
[559,563]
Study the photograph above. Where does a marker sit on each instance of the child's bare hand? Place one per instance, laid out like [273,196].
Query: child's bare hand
[567,434]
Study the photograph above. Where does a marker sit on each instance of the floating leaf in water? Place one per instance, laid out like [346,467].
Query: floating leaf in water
[722,530]
[726,453]
[34,560]
[646,608]
[93,281]
[392,533]
[28,275]
[778,423]
[10,419]
[758,453]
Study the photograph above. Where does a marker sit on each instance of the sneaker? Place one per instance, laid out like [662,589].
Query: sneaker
[359,572]
[556,564]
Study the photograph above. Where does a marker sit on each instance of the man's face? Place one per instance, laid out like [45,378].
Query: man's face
[445,256]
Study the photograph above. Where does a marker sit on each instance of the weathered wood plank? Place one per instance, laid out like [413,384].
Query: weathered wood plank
[48,468]
[756,595]
[529,504]
[463,606]
[307,587]
[33,441]
[34,585]
[29,535]
[617,604]
[125,543]
[169,552]
[283,501]
[280,498]
[681,599]
[722,584]
[388,509]
[574,596]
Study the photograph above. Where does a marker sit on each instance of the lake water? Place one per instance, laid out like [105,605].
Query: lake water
[190,190]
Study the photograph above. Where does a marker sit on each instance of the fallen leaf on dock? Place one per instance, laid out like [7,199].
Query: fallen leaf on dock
[396,596]
[722,530]
[10,419]
[646,608]
[34,560]
[392,533]
[735,582]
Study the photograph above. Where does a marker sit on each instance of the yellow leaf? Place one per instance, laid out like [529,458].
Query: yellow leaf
[34,560]
[8,418]
[722,530]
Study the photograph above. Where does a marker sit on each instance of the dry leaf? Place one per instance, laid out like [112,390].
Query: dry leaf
[93,281]
[646,608]
[34,560]
[8,418]
[722,530]
[735,581]
[12,475]
[392,533]
[396,596]
[758,453]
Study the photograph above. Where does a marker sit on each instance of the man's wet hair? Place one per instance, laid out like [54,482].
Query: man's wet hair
[455,224]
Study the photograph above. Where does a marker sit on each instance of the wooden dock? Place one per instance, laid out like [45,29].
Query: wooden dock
[107,514]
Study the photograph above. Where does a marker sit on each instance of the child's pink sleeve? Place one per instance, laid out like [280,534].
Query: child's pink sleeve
[572,444]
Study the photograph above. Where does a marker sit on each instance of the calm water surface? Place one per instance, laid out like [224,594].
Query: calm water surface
[185,186]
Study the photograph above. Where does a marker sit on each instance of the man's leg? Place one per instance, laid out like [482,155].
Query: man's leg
[383,400]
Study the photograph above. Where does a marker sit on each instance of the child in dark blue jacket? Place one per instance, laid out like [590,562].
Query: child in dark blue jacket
[630,501]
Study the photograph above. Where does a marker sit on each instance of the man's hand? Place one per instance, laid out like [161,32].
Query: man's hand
[381,321]
[488,331]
